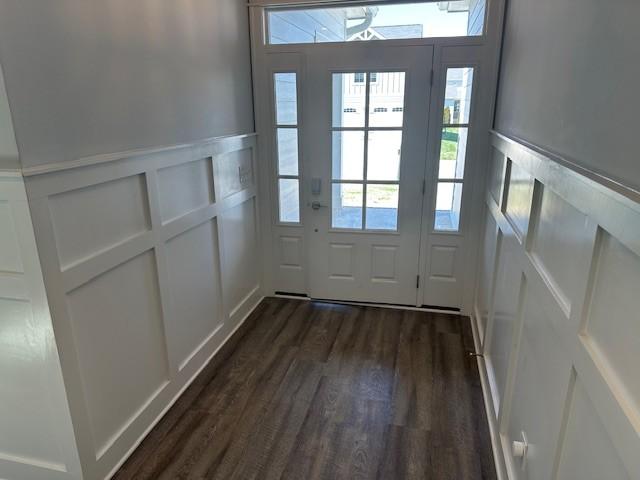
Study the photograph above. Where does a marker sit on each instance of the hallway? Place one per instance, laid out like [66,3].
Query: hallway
[316,390]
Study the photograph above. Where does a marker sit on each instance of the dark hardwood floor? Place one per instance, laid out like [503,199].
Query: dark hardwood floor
[308,390]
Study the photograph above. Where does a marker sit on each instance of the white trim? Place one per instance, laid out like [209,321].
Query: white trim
[182,390]
[365,304]
[496,446]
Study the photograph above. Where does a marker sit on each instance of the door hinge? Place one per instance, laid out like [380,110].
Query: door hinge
[431,78]
[424,186]
[417,281]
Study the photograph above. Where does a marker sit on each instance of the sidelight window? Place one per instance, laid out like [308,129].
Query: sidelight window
[286,135]
[453,148]
[366,149]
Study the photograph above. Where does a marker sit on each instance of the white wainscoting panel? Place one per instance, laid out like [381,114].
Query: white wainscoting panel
[192,259]
[36,435]
[587,452]
[486,274]
[117,323]
[559,286]
[151,262]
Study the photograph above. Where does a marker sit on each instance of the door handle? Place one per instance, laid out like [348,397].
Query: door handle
[317,205]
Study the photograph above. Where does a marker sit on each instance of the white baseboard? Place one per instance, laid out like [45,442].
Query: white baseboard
[494,431]
[185,386]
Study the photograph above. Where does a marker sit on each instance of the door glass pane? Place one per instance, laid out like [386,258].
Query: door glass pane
[382,207]
[448,203]
[289,200]
[383,155]
[369,22]
[457,99]
[287,151]
[349,99]
[347,156]
[453,149]
[346,202]
[286,98]
[386,99]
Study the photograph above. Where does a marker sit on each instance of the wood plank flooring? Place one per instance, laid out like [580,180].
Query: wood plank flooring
[309,390]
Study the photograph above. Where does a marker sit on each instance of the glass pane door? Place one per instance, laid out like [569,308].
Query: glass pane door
[367,121]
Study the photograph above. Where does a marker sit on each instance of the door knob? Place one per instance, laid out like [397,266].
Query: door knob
[317,205]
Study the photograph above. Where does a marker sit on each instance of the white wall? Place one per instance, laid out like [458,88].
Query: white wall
[556,318]
[86,78]
[36,436]
[569,81]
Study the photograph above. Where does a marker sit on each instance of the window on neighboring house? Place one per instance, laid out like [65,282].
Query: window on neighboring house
[358,77]
[379,109]
[397,109]
[349,110]
[453,148]
[286,135]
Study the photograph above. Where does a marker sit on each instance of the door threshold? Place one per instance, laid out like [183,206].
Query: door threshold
[429,309]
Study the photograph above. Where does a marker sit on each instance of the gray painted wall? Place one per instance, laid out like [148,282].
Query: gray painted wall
[90,77]
[8,149]
[570,81]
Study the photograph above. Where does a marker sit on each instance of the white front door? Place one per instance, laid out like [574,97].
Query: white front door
[366,113]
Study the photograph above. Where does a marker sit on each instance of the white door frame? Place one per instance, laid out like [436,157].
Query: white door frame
[486,55]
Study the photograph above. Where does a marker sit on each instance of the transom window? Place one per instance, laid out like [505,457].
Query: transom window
[374,21]
[286,135]
[453,147]
[366,150]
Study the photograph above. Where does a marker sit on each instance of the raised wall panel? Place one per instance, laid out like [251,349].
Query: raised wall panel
[496,175]
[614,317]
[241,257]
[505,318]
[94,218]
[28,421]
[541,381]
[587,451]
[443,261]
[194,286]
[185,187]
[561,245]
[341,260]
[233,172]
[486,272]
[118,330]
[519,197]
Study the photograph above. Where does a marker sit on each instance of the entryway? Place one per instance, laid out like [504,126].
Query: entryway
[372,175]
